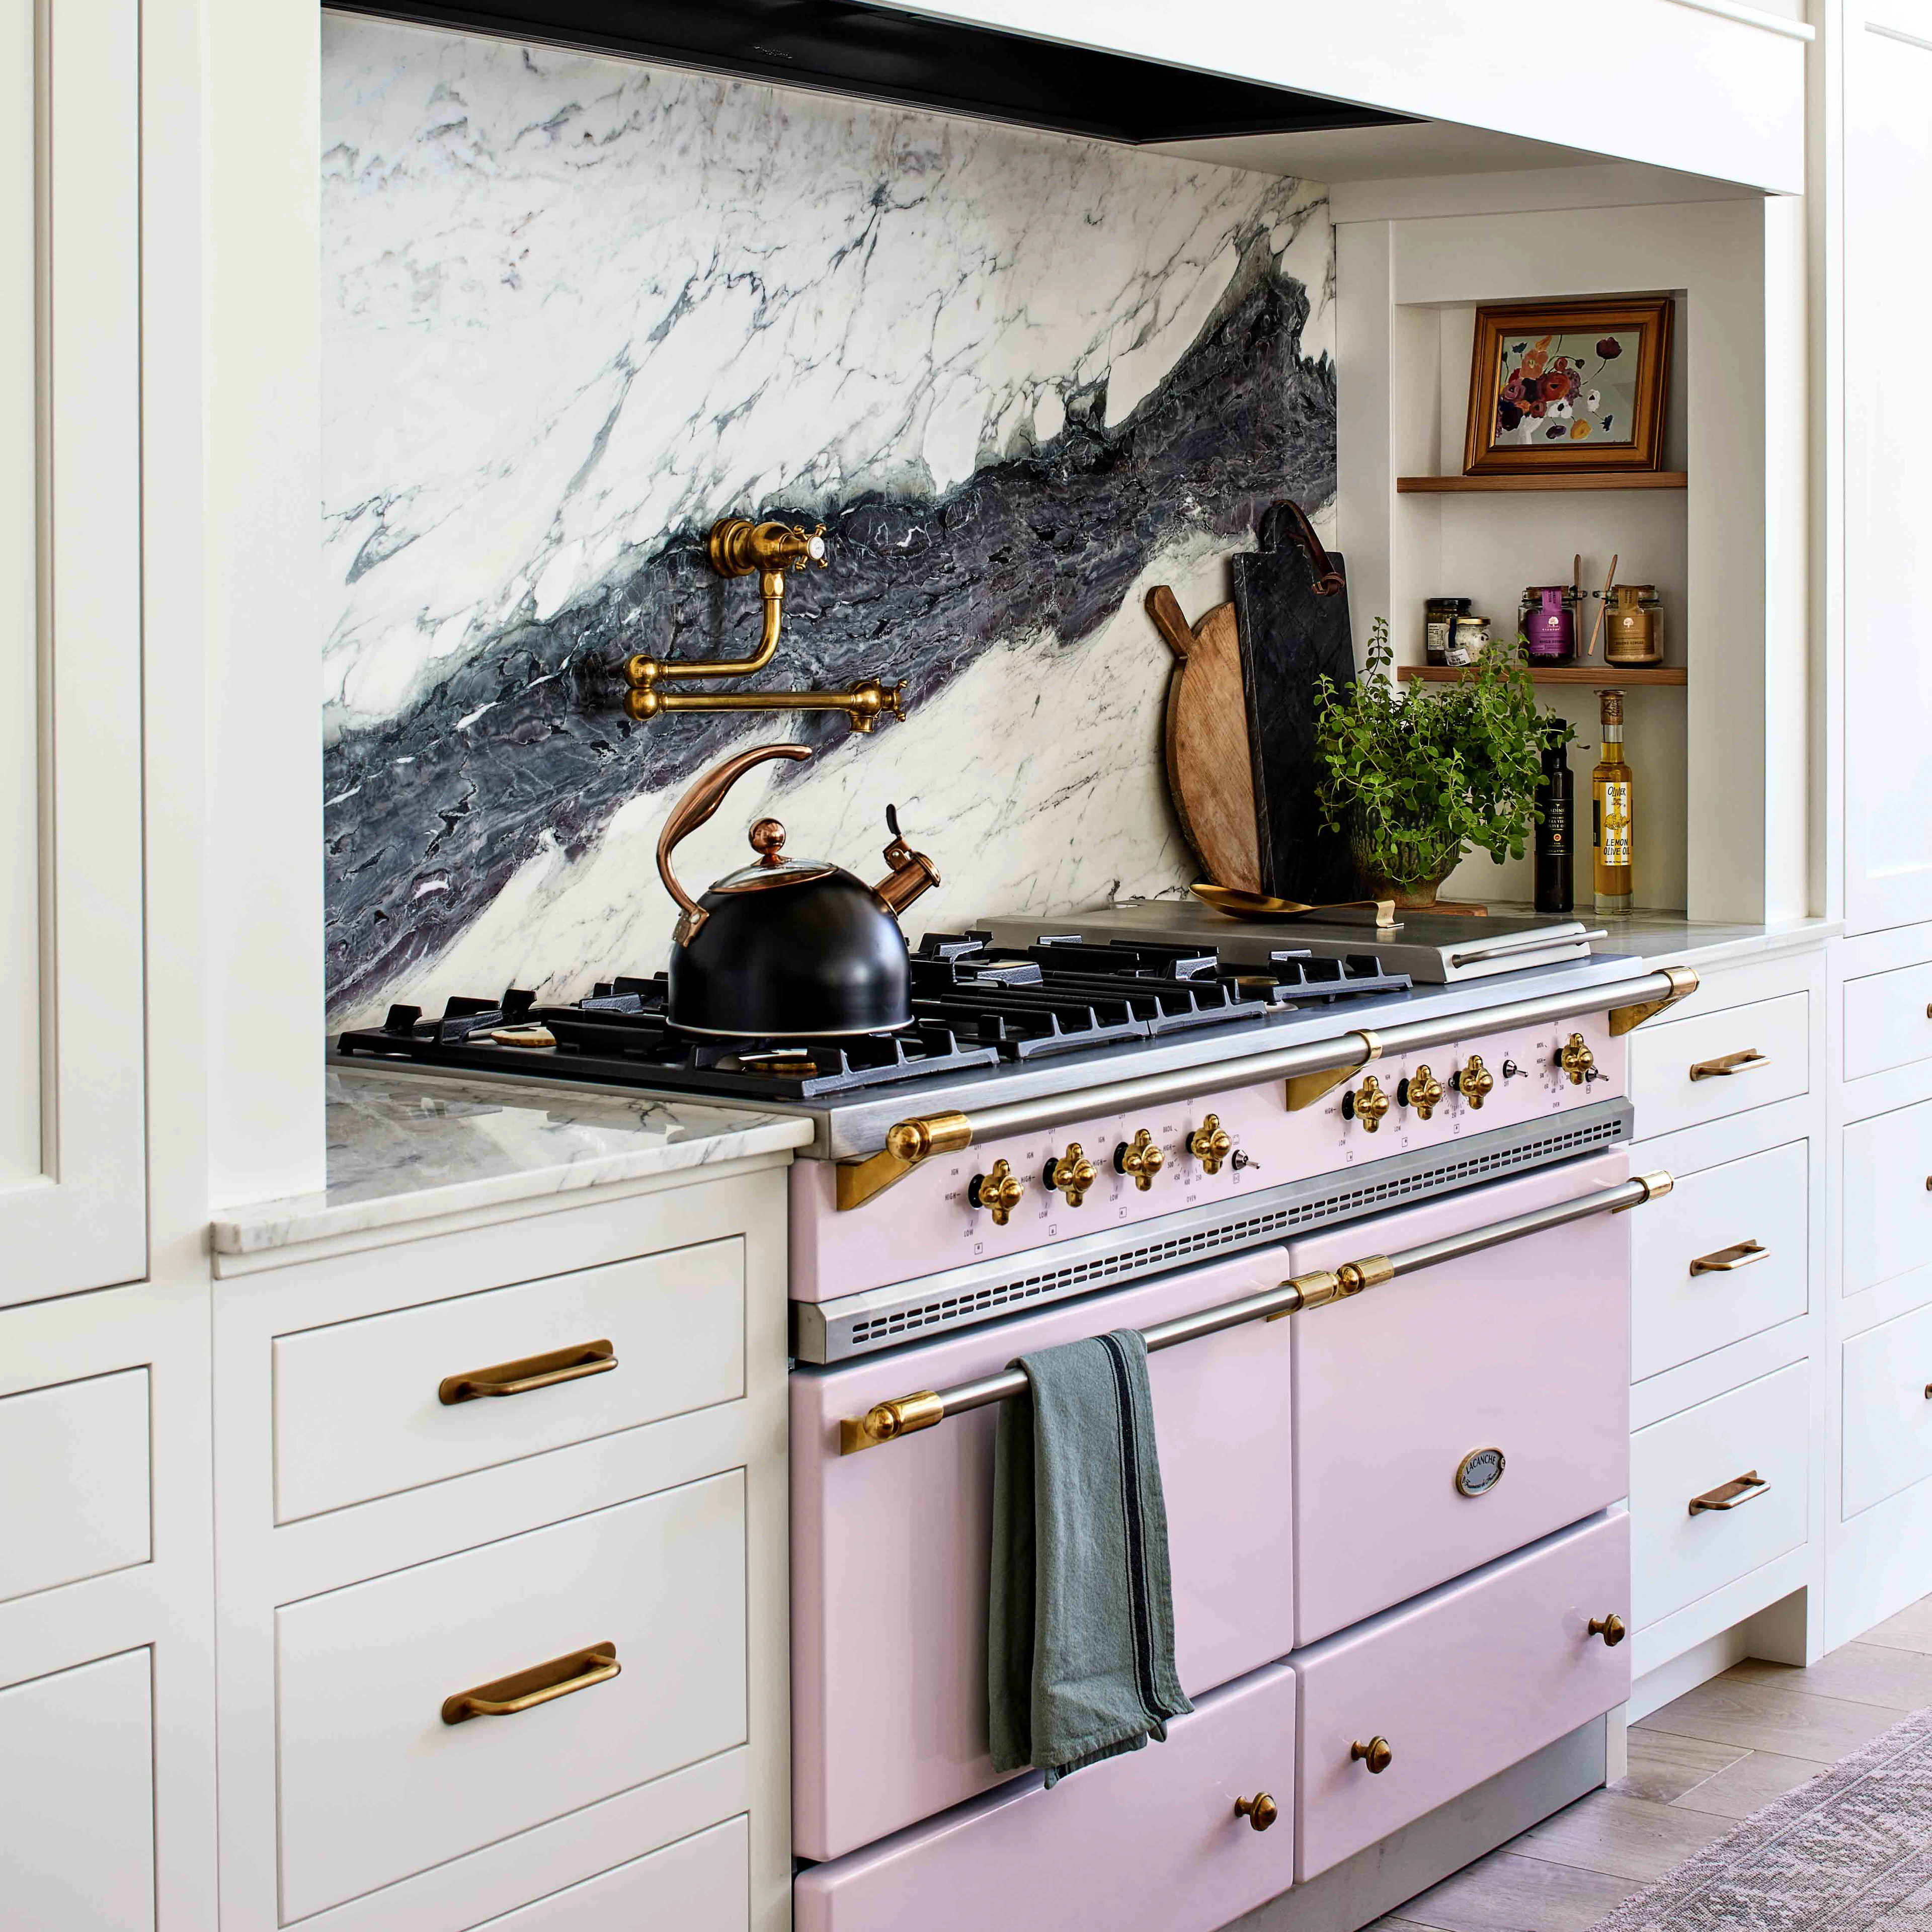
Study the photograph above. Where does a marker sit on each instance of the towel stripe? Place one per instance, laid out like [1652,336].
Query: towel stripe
[1136,1528]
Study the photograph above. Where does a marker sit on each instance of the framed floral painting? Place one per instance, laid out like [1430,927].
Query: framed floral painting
[1574,385]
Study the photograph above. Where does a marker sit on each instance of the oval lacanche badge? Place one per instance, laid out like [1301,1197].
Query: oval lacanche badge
[1479,1471]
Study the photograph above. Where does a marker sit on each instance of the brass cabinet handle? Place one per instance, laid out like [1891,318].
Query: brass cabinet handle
[1611,1629]
[542,1684]
[1728,1063]
[1260,1811]
[1728,1495]
[1740,1254]
[1375,1754]
[532,1372]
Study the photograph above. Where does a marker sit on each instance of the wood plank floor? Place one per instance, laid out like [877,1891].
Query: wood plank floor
[1696,1767]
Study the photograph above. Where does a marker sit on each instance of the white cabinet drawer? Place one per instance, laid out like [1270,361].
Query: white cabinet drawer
[359,1405]
[700,1884]
[1887,1410]
[1677,1076]
[77,1827]
[1887,1020]
[76,1502]
[1762,1428]
[375,1785]
[1888,1195]
[1724,1254]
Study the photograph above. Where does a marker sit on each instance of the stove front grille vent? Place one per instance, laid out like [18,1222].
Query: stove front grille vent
[1329,1199]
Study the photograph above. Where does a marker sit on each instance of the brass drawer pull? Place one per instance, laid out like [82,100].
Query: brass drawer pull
[1740,1254]
[533,1371]
[1611,1629]
[1728,1063]
[542,1684]
[1260,1811]
[1728,1495]
[1375,1754]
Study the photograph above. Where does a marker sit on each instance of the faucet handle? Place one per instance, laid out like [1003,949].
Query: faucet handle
[811,549]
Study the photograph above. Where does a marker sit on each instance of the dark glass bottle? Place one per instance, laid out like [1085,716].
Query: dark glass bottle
[1556,832]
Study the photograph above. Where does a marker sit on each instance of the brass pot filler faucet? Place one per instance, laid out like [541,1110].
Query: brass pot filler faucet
[738,548]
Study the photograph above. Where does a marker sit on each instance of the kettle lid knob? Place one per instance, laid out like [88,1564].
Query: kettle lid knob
[767,838]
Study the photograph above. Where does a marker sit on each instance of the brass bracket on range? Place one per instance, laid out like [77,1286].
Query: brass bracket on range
[1627,1019]
[907,1144]
[740,547]
[1305,1089]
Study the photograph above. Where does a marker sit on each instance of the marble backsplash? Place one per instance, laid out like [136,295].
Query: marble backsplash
[577,308]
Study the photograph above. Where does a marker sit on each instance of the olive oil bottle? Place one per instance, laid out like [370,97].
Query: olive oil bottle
[1612,813]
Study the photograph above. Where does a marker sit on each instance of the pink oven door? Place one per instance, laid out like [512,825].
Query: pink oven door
[1463,1410]
[890,1546]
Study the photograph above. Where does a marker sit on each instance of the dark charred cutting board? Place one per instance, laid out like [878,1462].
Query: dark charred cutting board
[1291,612]
[1209,774]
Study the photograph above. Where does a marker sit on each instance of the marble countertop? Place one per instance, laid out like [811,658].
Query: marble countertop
[1668,938]
[403,1147]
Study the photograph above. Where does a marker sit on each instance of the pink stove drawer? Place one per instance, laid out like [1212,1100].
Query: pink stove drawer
[1147,1842]
[889,1548]
[1521,1348]
[1458,1685]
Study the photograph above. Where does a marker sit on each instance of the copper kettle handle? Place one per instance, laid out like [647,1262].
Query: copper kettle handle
[697,805]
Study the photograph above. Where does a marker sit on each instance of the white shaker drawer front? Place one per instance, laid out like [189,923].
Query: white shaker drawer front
[376,1781]
[1718,1492]
[1887,1410]
[1691,1071]
[76,1502]
[1456,1686]
[700,1884]
[1887,1020]
[1888,1195]
[77,1827]
[364,1408]
[1724,1254]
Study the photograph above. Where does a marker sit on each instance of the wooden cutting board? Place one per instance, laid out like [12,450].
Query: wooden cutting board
[1210,773]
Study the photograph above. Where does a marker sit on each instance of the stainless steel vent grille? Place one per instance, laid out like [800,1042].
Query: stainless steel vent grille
[831,1331]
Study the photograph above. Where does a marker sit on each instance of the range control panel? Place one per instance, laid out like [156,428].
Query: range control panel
[1032,1190]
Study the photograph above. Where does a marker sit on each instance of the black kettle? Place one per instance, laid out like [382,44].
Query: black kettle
[785,948]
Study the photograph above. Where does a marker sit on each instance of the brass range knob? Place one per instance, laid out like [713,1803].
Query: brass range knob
[998,1192]
[1210,1143]
[1140,1158]
[1366,1103]
[1260,1811]
[1375,1754]
[1475,1081]
[1072,1173]
[1609,1628]
[1575,1059]
[1421,1090]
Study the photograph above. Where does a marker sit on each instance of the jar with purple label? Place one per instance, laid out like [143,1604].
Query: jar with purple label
[1547,617]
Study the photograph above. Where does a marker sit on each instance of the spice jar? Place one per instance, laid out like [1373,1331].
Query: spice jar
[1469,640]
[1547,618]
[1633,626]
[1439,626]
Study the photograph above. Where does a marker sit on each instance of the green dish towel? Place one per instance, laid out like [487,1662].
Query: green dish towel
[1080,1636]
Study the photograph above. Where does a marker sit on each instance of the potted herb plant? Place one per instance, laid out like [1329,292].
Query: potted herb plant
[1414,780]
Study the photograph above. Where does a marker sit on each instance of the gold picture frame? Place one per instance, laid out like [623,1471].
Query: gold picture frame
[1575,385]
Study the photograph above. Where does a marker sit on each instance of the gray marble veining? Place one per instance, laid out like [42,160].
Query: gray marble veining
[404,1147]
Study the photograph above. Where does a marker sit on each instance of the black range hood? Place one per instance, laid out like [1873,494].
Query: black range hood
[879,53]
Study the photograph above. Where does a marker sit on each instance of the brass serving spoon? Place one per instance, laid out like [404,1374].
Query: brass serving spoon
[1237,904]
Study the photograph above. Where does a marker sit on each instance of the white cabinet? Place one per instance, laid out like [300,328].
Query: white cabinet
[77,1829]
[1887,184]
[71,1175]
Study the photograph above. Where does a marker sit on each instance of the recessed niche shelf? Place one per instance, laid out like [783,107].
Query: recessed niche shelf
[1634,479]
[1603,677]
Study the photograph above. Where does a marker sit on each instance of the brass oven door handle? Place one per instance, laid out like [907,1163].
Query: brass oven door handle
[1726,1064]
[1728,1495]
[532,1372]
[542,1684]
[1740,1254]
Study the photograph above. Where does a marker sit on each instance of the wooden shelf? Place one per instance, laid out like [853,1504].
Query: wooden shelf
[1604,677]
[1631,479]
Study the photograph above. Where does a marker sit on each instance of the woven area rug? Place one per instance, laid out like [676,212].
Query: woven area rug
[1850,1851]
